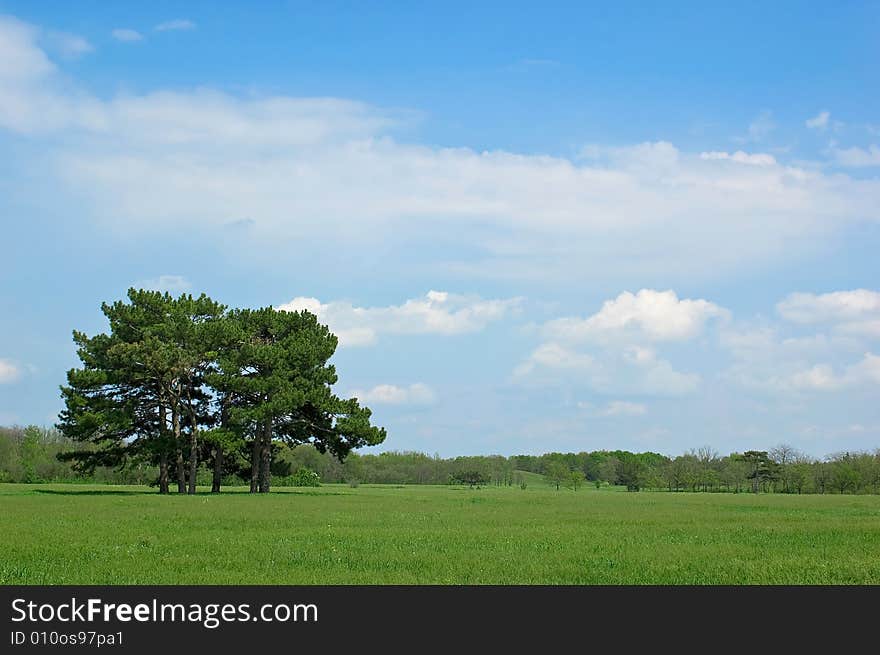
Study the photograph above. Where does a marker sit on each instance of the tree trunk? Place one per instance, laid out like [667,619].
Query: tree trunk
[163,473]
[218,470]
[266,457]
[181,471]
[193,451]
[163,454]
[255,463]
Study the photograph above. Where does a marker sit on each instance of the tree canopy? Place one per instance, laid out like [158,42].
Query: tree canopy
[177,379]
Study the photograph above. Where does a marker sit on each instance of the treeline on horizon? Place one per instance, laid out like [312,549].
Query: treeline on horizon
[31,455]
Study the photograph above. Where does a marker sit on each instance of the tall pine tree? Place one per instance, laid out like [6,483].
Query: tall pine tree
[275,364]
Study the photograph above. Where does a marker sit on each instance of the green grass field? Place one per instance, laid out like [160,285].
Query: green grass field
[78,534]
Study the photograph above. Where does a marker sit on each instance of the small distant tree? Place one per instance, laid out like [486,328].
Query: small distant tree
[821,476]
[844,475]
[784,456]
[30,454]
[800,472]
[556,473]
[761,468]
[631,472]
[575,480]
[470,478]
[734,473]
[608,470]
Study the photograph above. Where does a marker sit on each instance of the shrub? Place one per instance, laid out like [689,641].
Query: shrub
[470,478]
[305,477]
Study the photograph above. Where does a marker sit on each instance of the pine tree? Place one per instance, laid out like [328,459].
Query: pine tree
[275,364]
[140,392]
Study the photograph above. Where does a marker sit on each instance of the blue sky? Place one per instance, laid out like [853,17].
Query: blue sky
[535,228]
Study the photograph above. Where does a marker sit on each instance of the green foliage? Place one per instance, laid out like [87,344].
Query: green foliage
[305,478]
[607,470]
[556,473]
[30,453]
[176,374]
[575,480]
[631,472]
[471,478]
[841,473]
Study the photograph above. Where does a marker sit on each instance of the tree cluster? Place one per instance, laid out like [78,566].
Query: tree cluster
[782,469]
[180,381]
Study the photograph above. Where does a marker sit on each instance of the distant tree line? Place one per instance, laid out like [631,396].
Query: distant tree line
[782,469]
[180,382]
[40,455]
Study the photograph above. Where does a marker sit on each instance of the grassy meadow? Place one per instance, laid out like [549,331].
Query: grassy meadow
[335,534]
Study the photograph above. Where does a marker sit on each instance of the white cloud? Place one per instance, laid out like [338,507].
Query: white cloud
[855,312]
[389,394]
[648,314]
[822,377]
[176,24]
[67,45]
[767,361]
[20,59]
[438,312]
[170,283]
[9,372]
[856,157]
[623,408]
[657,376]
[619,361]
[127,35]
[867,370]
[303,166]
[633,370]
[554,356]
[740,157]
[818,122]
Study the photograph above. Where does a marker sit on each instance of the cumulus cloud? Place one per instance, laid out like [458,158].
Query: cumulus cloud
[823,377]
[634,370]
[740,157]
[835,358]
[856,157]
[818,122]
[648,314]
[389,394]
[170,283]
[854,312]
[555,356]
[175,25]
[657,376]
[127,35]
[303,166]
[620,340]
[437,312]
[9,372]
